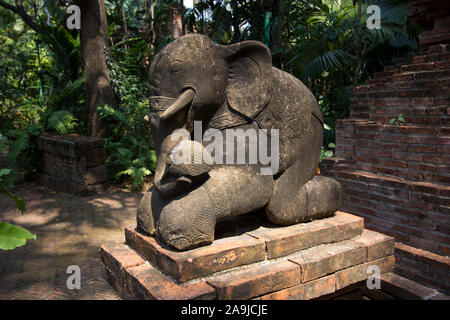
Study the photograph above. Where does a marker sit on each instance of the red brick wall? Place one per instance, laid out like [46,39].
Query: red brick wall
[398,176]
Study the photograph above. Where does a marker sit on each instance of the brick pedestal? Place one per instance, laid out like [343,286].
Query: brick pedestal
[72,164]
[303,261]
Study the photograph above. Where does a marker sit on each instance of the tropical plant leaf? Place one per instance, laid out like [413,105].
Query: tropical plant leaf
[12,236]
[328,61]
[62,121]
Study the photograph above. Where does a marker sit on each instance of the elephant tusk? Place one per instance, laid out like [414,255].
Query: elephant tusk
[183,101]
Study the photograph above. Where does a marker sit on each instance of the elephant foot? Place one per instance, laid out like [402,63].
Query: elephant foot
[188,222]
[318,198]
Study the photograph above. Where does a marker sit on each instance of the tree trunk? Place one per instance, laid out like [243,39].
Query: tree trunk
[176,21]
[151,34]
[139,5]
[124,21]
[97,88]
[277,30]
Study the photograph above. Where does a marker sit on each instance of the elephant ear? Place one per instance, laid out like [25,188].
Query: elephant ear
[250,77]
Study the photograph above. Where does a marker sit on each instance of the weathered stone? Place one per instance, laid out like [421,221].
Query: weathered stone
[282,241]
[359,273]
[145,282]
[306,291]
[378,245]
[230,87]
[224,254]
[404,288]
[116,257]
[326,259]
[238,268]
[256,280]
[71,163]
[96,174]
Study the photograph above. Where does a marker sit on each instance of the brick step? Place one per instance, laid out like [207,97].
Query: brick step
[305,274]
[403,75]
[414,212]
[364,90]
[254,246]
[428,268]
[425,66]
[383,184]
[421,75]
[420,63]
[134,278]
[404,288]
[414,115]
[425,58]
[439,48]
[382,92]
[384,74]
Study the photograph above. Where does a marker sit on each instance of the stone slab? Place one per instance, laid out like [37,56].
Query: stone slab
[135,278]
[407,289]
[361,272]
[282,241]
[378,245]
[322,260]
[306,291]
[256,280]
[223,254]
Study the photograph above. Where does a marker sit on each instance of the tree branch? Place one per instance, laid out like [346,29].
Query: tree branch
[20,10]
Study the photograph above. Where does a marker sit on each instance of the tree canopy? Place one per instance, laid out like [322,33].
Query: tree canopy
[54,79]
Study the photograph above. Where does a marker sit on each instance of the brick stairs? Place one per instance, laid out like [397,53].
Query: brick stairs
[398,176]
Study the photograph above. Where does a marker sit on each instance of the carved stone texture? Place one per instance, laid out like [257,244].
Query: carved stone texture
[72,163]
[205,88]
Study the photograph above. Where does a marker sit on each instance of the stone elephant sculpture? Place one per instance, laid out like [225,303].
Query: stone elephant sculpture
[193,80]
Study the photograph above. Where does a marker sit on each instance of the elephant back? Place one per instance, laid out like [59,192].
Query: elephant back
[290,110]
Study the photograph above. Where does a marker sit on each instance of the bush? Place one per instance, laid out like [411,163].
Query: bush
[130,144]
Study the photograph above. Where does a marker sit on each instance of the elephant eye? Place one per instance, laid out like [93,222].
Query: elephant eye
[176,67]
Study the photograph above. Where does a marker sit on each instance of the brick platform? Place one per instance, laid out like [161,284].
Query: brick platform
[303,261]
[72,163]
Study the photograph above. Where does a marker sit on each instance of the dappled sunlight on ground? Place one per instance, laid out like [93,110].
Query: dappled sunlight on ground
[69,231]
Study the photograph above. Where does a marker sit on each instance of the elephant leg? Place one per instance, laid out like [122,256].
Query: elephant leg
[299,195]
[189,221]
[318,198]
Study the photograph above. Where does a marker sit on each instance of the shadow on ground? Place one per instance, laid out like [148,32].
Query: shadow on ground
[70,230]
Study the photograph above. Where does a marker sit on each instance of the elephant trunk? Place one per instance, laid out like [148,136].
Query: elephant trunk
[184,100]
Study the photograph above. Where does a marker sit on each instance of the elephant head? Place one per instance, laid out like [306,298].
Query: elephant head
[194,79]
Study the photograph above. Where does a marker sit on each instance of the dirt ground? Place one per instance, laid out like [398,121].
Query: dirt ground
[70,230]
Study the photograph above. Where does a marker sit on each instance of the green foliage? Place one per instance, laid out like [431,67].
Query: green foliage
[19,202]
[42,88]
[62,121]
[325,43]
[12,236]
[327,152]
[397,121]
[129,143]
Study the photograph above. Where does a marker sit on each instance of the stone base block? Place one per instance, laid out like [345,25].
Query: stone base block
[72,163]
[304,261]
